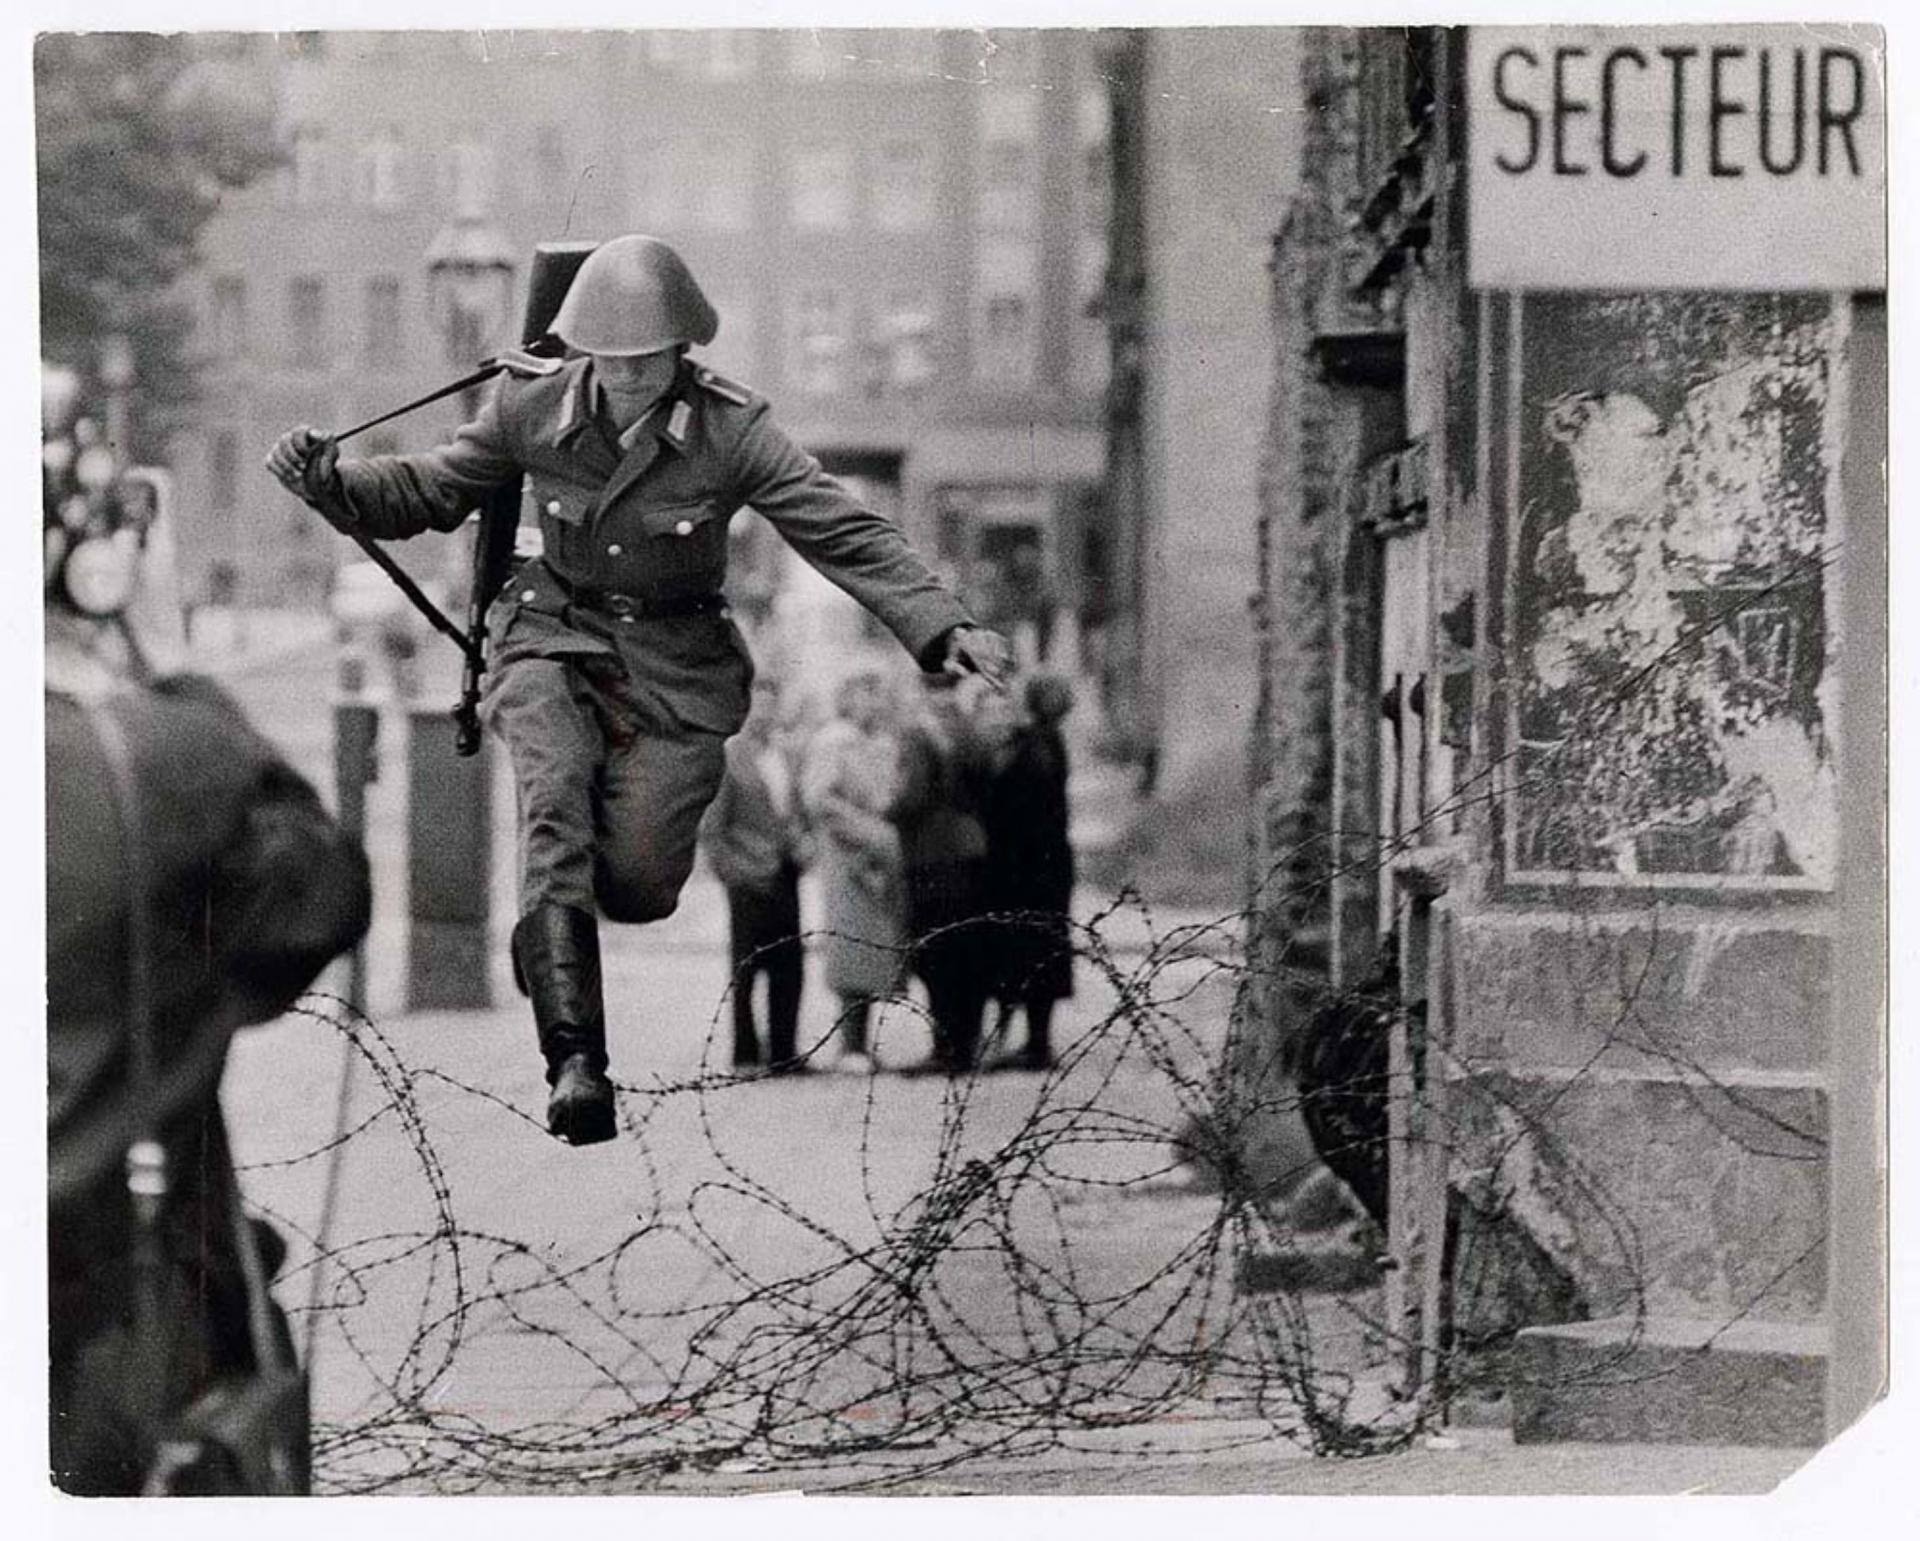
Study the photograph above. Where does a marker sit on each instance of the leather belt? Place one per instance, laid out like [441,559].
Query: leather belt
[636,607]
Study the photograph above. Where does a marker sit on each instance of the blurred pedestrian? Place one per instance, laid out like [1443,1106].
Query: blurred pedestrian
[617,673]
[943,843]
[756,842]
[849,782]
[1035,603]
[194,886]
[1029,876]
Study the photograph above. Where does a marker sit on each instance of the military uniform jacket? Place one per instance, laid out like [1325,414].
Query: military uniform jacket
[648,521]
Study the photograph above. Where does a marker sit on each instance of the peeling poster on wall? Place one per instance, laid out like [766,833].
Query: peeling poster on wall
[1671,672]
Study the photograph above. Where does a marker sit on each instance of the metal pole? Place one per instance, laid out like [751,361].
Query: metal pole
[449,867]
[449,856]
[356,731]
[356,763]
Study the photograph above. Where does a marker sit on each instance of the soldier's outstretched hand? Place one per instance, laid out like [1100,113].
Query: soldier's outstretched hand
[976,650]
[306,464]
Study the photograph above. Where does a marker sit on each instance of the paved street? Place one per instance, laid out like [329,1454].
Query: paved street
[825,1283]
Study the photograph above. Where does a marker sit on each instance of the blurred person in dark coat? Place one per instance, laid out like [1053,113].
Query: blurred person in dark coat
[160,797]
[943,842]
[1029,872]
[617,672]
[850,780]
[1033,602]
[757,843]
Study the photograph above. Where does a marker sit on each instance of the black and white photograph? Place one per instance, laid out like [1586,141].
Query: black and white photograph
[1069,753]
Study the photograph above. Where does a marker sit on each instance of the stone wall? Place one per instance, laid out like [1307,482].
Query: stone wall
[1630,714]
[1299,535]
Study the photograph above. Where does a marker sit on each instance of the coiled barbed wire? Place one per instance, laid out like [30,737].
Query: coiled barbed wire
[961,1309]
[960,1298]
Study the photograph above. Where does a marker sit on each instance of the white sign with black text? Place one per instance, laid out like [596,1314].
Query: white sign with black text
[1677,157]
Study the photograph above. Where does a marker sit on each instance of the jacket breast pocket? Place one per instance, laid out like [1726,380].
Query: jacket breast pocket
[684,544]
[679,521]
[562,511]
[562,504]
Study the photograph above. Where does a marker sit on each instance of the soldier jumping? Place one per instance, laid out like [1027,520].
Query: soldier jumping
[616,673]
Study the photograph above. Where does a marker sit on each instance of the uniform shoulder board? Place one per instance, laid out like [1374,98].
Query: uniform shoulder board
[722,387]
[527,366]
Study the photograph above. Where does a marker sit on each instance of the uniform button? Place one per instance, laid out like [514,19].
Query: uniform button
[615,549]
[553,505]
[528,596]
[684,527]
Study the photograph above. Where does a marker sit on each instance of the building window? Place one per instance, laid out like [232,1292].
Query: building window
[659,186]
[906,338]
[1009,126]
[223,471]
[466,334]
[380,170]
[903,186]
[1006,186]
[1005,333]
[469,178]
[1005,336]
[732,350]
[305,177]
[307,320]
[822,188]
[229,318]
[722,182]
[1091,347]
[820,343]
[549,167]
[383,334]
[1096,162]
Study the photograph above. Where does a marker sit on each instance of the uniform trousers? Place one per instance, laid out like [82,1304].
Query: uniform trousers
[610,788]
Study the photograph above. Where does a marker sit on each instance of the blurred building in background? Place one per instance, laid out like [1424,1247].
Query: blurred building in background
[1207,126]
[1045,358]
[904,232]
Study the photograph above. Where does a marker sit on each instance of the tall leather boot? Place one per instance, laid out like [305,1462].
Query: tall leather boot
[556,958]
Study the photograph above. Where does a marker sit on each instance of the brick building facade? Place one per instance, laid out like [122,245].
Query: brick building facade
[904,232]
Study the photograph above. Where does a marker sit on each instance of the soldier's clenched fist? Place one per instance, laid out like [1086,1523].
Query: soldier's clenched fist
[307,465]
[976,650]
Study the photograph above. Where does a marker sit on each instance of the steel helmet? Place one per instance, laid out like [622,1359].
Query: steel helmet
[634,295]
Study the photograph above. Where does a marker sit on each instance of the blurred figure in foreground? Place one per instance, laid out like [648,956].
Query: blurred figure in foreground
[850,780]
[1029,877]
[756,842]
[194,886]
[943,773]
